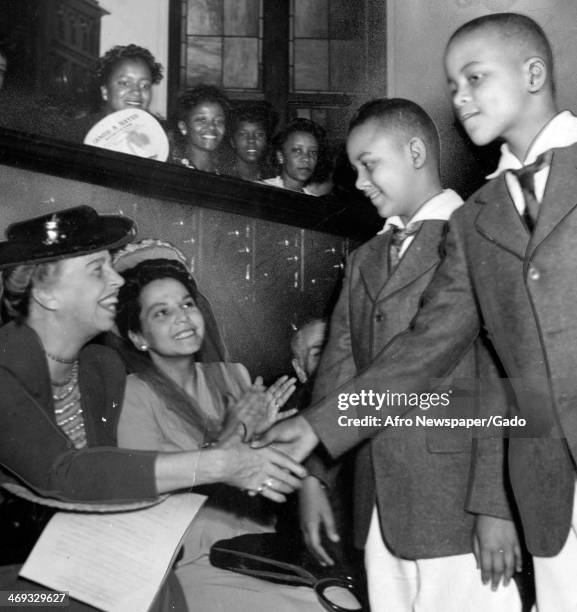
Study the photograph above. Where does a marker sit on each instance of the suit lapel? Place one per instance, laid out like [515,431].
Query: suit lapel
[498,219]
[374,268]
[560,195]
[421,256]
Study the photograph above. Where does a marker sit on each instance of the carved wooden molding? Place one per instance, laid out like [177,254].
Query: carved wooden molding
[169,182]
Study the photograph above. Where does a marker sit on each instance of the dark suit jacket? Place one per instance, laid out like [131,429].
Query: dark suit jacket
[36,450]
[521,289]
[419,476]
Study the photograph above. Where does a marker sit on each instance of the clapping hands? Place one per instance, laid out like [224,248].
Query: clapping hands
[258,408]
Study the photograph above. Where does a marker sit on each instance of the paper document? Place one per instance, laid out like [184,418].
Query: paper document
[116,562]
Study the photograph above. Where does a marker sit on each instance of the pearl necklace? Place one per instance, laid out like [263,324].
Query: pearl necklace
[66,387]
[59,359]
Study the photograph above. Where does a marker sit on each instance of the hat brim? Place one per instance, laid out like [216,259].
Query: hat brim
[101,234]
[149,248]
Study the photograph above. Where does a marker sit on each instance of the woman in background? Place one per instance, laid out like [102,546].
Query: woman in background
[125,76]
[251,127]
[179,403]
[202,120]
[297,150]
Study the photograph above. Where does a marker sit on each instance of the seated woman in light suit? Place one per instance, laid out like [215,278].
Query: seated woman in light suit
[176,401]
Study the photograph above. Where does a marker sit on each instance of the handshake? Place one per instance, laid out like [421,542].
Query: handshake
[261,447]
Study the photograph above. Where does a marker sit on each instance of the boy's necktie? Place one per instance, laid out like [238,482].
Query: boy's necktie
[526,178]
[398,236]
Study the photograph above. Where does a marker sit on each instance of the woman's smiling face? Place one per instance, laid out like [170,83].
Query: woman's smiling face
[129,85]
[171,324]
[205,126]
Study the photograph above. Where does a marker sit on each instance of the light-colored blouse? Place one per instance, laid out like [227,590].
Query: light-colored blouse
[147,423]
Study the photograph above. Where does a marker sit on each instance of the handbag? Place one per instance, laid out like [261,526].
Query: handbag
[278,558]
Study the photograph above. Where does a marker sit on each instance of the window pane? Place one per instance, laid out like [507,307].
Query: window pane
[204,60]
[241,17]
[347,65]
[346,19]
[311,18]
[204,17]
[241,63]
[311,65]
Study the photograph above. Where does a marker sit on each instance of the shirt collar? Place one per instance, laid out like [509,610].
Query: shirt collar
[439,207]
[560,132]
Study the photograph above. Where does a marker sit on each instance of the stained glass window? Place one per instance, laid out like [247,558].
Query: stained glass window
[223,43]
[328,52]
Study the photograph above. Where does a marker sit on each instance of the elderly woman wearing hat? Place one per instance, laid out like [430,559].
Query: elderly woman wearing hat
[60,399]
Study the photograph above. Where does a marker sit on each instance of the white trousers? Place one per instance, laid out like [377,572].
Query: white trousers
[556,577]
[443,584]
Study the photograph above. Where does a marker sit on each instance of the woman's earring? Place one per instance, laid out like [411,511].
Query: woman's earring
[143,347]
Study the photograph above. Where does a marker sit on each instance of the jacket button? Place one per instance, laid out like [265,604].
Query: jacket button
[534,274]
[378,317]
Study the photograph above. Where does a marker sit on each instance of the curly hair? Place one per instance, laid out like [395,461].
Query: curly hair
[200,95]
[300,125]
[112,57]
[324,164]
[17,284]
[136,279]
[254,113]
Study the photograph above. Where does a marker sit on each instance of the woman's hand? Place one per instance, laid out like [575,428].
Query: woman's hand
[258,408]
[264,471]
[277,396]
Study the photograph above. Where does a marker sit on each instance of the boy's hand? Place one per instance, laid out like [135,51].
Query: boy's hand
[315,514]
[295,437]
[496,548]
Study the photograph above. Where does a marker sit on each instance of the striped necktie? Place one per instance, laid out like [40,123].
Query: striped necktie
[398,236]
[526,178]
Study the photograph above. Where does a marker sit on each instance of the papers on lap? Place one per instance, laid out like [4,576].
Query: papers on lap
[115,562]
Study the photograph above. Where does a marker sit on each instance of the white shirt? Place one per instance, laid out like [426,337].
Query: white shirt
[278,182]
[439,208]
[560,132]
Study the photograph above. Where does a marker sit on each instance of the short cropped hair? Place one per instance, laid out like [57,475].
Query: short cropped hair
[514,29]
[402,116]
[114,56]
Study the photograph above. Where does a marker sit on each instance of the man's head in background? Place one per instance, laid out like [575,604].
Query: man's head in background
[306,346]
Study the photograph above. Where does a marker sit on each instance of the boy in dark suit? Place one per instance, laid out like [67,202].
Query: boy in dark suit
[412,515]
[509,273]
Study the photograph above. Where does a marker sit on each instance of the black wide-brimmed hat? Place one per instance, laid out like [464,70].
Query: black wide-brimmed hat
[63,234]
